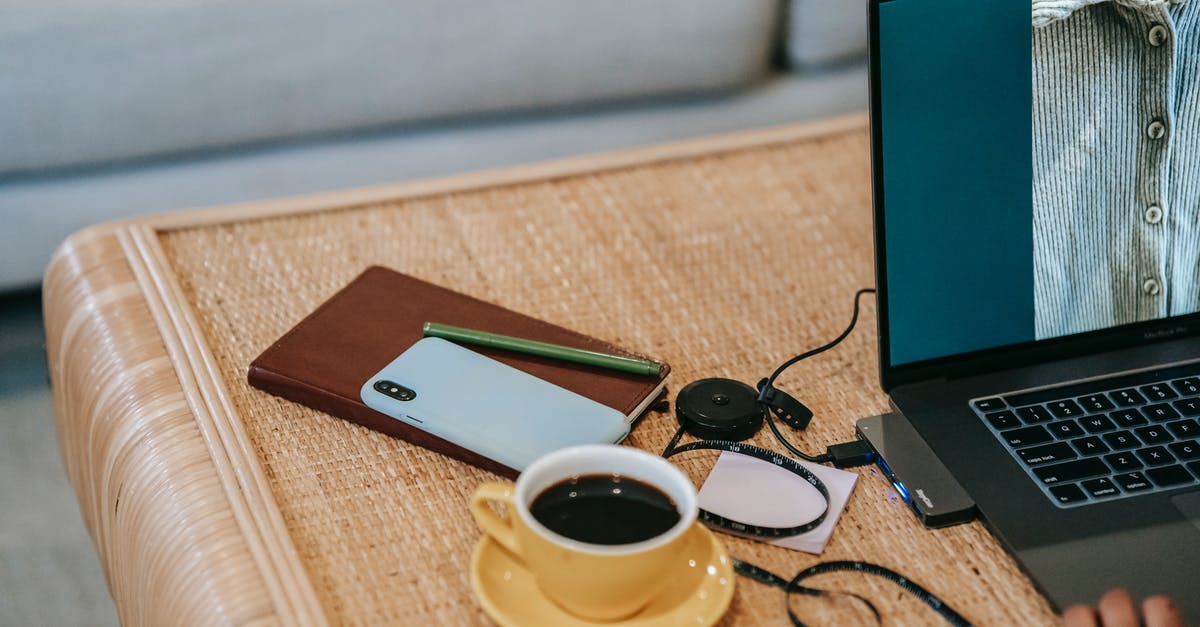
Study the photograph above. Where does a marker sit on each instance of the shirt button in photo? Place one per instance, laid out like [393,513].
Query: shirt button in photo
[1156,130]
[1158,35]
[1153,214]
[1150,286]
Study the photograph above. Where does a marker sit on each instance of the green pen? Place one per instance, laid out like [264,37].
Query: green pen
[543,349]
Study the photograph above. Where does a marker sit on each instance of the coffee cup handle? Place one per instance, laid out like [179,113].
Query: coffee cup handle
[499,527]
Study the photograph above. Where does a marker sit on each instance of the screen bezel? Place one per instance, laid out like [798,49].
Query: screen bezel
[997,358]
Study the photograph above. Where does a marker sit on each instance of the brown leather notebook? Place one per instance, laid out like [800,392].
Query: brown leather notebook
[324,360]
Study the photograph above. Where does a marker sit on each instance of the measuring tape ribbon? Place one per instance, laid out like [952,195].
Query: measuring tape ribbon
[745,529]
[793,586]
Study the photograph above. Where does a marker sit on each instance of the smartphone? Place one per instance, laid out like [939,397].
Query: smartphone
[485,406]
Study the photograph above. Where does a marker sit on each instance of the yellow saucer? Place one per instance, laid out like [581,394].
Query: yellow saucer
[697,595]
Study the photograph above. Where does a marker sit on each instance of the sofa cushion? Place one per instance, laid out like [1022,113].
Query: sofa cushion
[822,32]
[85,82]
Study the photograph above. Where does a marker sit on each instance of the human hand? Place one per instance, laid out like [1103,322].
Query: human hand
[1116,609]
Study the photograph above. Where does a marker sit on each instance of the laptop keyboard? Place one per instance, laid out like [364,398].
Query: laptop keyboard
[1103,440]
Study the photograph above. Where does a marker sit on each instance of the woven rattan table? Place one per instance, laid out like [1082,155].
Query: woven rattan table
[213,503]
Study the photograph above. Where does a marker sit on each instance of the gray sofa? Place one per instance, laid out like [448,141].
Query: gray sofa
[135,106]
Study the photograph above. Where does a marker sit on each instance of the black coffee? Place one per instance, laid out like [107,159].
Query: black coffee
[605,509]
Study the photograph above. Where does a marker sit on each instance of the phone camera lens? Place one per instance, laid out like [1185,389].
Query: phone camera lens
[394,390]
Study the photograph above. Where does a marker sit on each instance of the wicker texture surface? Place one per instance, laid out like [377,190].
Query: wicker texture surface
[722,264]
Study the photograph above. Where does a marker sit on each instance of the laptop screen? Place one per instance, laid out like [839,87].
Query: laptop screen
[1037,173]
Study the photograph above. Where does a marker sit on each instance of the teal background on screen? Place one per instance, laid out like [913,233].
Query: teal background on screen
[956,96]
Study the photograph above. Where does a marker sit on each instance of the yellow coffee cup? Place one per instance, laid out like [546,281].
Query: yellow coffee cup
[592,581]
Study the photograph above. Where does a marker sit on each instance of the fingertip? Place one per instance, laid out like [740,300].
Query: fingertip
[1161,611]
[1117,609]
[1079,616]
[1117,595]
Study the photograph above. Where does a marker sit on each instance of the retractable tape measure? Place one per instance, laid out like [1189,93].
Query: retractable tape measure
[721,413]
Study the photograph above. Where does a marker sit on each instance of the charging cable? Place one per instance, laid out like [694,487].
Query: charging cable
[793,413]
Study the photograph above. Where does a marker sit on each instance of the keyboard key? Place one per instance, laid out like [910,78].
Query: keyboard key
[1188,406]
[1186,428]
[1026,436]
[989,404]
[1127,398]
[1004,420]
[1153,434]
[1046,453]
[1195,468]
[1065,409]
[1066,429]
[1095,402]
[1160,412]
[1090,445]
[1070,471]
[1067,493]
[1101,487]
[1133,482]
[1121,440]
[1123,461]
[1097,424]
[1034,414]
[1187,386]
[1127,418]
[1155,456]
[1186,450]
[1170,475]
[1158,392]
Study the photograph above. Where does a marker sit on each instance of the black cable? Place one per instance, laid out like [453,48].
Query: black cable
[837,340]
[851,453]
[818,459]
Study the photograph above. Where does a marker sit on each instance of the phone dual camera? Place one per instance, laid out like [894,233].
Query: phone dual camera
[394,390]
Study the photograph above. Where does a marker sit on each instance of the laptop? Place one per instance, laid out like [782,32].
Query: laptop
[1037,221]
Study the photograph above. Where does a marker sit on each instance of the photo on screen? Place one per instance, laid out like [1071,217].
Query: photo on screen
[1116,162]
